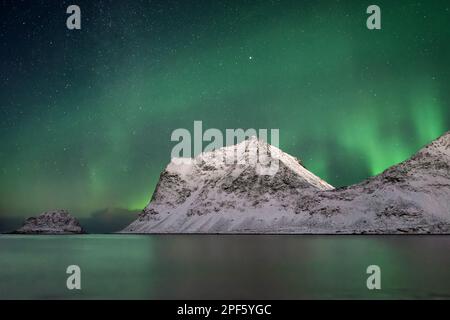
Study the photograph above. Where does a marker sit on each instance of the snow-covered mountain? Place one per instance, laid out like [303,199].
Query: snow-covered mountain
[410,197]
[51,222]
[209,195]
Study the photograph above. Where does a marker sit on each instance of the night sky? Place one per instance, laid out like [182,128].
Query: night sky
[86,115]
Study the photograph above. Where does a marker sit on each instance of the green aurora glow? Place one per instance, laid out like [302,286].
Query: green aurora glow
[86,115]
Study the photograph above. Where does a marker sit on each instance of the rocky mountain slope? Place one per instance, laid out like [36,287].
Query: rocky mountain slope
[51,222]
[208,195]
[411,197]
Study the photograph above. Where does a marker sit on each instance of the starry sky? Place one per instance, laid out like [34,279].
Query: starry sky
[86,115]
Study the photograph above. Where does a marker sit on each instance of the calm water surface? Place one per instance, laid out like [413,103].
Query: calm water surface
[232,267]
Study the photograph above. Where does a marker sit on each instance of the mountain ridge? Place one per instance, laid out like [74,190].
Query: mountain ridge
[412,195]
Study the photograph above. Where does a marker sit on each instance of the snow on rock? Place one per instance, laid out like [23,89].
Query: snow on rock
[410,197]
[209,195]
[51,222]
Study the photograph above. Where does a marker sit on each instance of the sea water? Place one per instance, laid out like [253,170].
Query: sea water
[224,266]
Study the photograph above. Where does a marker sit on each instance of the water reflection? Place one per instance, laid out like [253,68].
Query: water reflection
[211,266]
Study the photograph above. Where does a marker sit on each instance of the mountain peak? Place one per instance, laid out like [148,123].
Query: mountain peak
[225,181]
[251,155]
[207,195]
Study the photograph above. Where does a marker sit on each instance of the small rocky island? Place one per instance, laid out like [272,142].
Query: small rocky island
[51,222]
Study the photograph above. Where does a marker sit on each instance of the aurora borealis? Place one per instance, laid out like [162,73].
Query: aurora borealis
[86,115]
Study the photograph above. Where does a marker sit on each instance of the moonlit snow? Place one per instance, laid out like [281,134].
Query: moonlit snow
[208,195]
